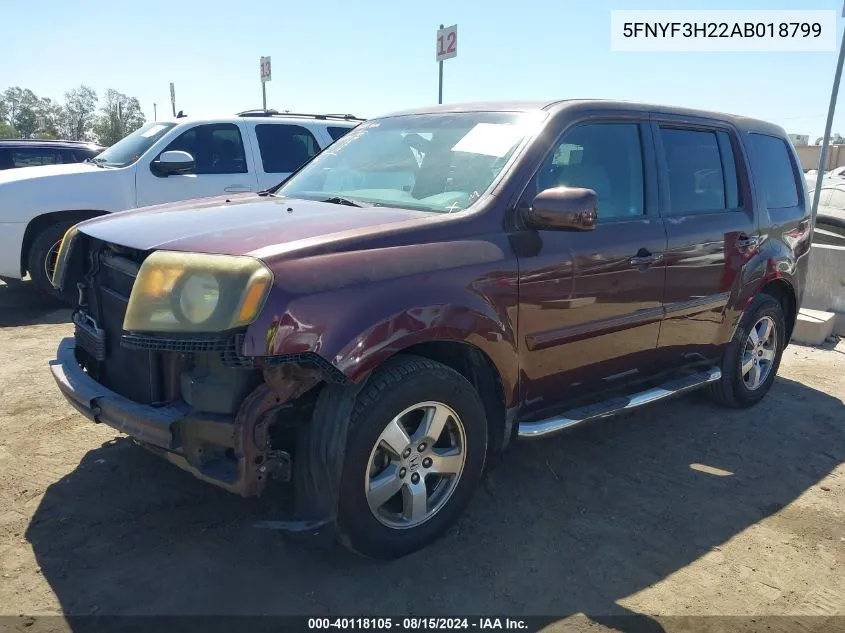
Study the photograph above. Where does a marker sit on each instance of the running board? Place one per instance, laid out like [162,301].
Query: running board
[608,408]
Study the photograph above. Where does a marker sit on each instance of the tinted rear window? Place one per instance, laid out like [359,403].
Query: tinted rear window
[337,132]
[696,176]
[284,148]
[773,166]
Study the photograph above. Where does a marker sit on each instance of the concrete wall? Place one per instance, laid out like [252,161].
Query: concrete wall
[826,283]
[809,156]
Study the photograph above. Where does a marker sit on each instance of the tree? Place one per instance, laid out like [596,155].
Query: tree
[26,113]
[78,113]
[49,115]
[7,131]
[12,100]
[119,115]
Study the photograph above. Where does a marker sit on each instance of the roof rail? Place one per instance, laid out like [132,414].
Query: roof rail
[268,113]
[47,140]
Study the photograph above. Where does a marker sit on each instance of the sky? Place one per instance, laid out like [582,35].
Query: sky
[372,57]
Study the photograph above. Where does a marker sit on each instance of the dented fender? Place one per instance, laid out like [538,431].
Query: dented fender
[355,309]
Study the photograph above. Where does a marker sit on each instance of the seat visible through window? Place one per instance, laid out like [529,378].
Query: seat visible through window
[604,157]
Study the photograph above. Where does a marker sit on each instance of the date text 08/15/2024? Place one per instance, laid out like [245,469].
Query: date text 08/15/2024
[416,623]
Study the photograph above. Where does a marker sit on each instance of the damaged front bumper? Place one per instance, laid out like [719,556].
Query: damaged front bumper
[231,453]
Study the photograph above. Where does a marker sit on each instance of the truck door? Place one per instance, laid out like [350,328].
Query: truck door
[222,167]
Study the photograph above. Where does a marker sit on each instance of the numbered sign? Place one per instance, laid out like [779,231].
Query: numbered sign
[265,69]
[447,43]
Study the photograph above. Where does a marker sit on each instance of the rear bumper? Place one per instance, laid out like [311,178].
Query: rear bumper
[169,432]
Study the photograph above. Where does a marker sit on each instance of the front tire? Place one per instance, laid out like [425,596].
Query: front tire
[41,260]
[752,358]
[415,453]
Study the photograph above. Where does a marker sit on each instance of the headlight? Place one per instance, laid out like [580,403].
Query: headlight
[198,297]
[194,292]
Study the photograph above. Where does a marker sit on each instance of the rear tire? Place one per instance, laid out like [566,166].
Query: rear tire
[42,256]
[750,365]
[390,443]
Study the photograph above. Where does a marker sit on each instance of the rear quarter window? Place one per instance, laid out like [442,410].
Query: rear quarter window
[336,132]
[774,169]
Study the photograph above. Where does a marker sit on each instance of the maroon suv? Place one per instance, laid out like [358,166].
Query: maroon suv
[432,285]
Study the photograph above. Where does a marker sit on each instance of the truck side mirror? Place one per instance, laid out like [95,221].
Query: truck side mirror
[564,208]
[172,162]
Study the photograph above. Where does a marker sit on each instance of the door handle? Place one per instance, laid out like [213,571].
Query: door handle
[748,241]
[237,189]
[646,260]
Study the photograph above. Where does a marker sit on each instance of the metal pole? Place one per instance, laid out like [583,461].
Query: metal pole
[440,82]
[440,89]
[264,94]
[155,113]
[826,140]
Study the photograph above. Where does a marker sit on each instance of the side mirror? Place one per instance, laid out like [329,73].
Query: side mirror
[564,208]
[172,162]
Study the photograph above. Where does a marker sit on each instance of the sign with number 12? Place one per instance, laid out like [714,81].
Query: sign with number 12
[447,43]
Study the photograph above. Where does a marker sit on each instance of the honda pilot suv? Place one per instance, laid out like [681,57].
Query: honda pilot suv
[434,284]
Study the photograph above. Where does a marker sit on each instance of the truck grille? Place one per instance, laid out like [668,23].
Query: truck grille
[132,373]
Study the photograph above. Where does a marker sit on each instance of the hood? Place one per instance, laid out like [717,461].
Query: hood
[241,225]
[47,171]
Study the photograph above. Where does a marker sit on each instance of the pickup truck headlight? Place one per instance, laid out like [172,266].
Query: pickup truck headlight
[195,292]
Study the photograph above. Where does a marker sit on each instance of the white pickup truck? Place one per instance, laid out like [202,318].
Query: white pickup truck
[163,161]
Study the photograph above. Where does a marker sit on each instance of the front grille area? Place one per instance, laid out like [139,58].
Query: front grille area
[226,344]
[135,374]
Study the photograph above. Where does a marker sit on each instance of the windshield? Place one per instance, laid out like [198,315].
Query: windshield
[129,149]
[431,162]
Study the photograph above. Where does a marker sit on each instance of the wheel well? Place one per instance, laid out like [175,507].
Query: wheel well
[479,370]
[41,222]
[784,293]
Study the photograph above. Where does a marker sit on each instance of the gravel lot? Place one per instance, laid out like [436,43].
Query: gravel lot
[679,510]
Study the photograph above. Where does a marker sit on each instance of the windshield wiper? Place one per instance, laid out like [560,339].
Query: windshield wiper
[266,192]
[349,202]
[94,161]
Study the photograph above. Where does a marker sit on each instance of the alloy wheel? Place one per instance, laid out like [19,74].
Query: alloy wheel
[759,354]
[415,465]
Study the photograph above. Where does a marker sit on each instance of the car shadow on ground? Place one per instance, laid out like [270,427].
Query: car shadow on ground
[22,304]
[569,525]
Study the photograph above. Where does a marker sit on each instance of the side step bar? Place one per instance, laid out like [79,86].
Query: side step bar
[605,409]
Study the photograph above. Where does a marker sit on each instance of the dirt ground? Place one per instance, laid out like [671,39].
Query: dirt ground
[679,510]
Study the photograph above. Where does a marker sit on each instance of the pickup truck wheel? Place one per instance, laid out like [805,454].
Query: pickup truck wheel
[753,356]
[415,453]
[42,256]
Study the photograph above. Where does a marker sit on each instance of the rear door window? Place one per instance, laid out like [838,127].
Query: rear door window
[285,148]
[774,168]
[34,156]
[701,171]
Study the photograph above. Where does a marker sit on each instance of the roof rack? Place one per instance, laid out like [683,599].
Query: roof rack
[268,113]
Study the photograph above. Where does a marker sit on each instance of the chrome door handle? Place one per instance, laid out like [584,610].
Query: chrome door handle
[646,260]
[237,189]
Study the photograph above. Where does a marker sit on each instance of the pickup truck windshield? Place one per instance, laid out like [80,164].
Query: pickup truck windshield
[431,162]
[129,149]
